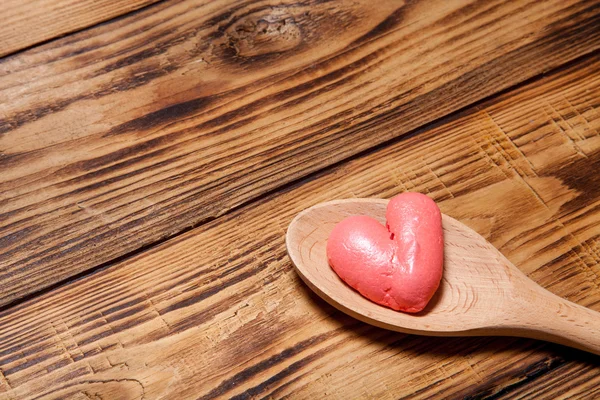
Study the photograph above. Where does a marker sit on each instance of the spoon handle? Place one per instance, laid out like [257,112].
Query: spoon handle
[554,319]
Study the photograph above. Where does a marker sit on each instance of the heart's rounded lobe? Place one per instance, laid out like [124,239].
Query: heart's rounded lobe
[399,266]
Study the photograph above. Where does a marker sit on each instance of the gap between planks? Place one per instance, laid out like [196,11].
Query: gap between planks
[9,52]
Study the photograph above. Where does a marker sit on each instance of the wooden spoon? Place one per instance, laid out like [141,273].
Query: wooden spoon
[481,293]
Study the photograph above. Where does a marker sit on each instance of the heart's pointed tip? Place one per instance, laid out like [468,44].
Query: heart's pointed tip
[412,310]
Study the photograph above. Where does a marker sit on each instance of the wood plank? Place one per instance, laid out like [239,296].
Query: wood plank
[220,312]
[28,23]
[126,134]
[570,381]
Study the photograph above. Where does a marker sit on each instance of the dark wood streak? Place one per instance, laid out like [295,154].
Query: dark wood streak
[586,185]
[384,27]
[287,371]
[490,389]
[275,394]
[566,381]
[247,373]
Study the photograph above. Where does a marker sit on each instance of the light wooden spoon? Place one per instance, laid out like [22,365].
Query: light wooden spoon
[481,293]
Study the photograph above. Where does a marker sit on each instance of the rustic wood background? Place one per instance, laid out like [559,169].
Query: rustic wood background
[150,165]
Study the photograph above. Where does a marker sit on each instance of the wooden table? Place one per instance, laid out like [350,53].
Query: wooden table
[152,154]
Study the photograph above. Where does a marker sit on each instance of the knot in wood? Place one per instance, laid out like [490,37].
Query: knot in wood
[264,32]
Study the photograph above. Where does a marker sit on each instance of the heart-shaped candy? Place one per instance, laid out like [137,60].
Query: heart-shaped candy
[398,265]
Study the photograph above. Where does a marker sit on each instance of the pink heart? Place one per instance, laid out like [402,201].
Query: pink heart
[398,265]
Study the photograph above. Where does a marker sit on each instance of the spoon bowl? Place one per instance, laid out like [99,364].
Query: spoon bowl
[481,292]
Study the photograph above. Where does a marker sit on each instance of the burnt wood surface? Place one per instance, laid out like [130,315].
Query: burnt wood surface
[118,137]
[220,312]
[151,164]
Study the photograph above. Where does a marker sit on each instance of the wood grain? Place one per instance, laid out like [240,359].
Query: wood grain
[220,312]
[28,23]
[123,135]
